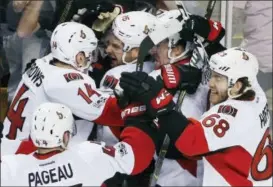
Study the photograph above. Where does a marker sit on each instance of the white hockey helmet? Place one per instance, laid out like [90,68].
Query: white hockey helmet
[49,123]
[70,38]
[235,63]
[164,17]
[131,28]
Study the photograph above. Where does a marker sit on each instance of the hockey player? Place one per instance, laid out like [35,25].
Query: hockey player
[56,164]
[122,45]
[60,77]
[175,51]
[231,156]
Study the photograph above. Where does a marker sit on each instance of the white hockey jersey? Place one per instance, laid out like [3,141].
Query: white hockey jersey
[110,134]
[44,82]
[234,138]
[85,164]
[185,172]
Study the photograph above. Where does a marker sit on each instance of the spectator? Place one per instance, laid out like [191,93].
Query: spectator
[258,39]
[19,47]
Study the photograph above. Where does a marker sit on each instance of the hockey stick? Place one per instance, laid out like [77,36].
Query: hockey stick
[210,8]
[63,16]
[198,43]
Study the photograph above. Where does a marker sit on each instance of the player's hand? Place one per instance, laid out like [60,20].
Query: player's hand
[89,11]
[181,77]
[208,29]
[145,89]
[105,19]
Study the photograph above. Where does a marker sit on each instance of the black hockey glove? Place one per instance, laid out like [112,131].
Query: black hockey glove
[208,29]
[181,77]
[145,89]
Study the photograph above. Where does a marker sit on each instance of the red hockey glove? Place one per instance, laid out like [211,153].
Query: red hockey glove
[208,29]
[181,77]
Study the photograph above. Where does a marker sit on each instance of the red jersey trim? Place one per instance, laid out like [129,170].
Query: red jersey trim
[46,156]
[111,114]
[142,145]
[26,147]
[196,143]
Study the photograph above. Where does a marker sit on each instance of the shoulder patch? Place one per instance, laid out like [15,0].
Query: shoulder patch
[72,77]
[227,109]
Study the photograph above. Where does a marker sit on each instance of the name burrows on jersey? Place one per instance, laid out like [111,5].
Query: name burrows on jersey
[66,168]
[47,83]
[238,139]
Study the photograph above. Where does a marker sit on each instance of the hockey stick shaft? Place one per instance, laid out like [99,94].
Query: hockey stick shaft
[210,8]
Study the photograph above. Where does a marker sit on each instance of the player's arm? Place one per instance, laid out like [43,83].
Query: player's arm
[190,137]
[132,154]
[78,92]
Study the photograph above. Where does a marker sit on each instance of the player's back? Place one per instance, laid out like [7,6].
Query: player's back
[239,133]
[84,164]
[37,86]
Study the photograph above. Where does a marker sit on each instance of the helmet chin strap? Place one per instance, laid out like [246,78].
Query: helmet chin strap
[124,61]
[238,95]
[182,56]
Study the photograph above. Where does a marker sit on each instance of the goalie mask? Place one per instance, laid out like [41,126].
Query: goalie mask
[69,39]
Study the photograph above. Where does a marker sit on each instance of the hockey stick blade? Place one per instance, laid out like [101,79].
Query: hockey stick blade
[146,45]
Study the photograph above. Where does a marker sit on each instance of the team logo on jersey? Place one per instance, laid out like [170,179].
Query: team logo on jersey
[122,149]
[72,77]
[227,109]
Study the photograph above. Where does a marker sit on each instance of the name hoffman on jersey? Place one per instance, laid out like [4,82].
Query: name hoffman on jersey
[41,178]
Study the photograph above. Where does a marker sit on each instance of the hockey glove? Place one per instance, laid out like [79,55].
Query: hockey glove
[181,77]
[105,19]
[89,11]
[208,29]
[145,89]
